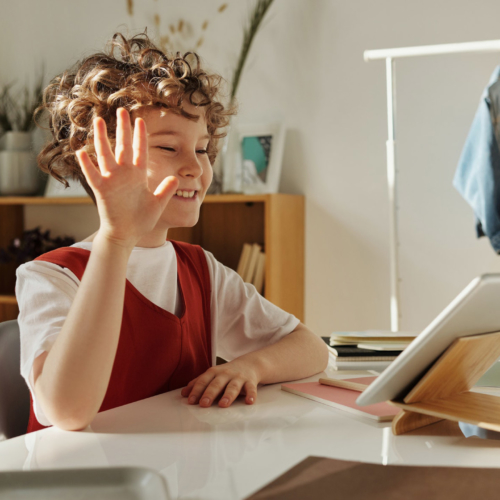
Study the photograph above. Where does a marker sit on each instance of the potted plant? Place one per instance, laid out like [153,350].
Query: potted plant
[230,173]
[18,172]
[181,37]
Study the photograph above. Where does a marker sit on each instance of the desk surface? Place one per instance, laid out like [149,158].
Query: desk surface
[230,453]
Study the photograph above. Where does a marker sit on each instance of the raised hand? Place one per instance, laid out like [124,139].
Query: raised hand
[128,209]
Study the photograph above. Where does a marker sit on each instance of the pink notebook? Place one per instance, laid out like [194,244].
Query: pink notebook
[343,399]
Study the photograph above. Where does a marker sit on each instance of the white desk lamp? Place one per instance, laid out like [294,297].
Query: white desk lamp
[390,55]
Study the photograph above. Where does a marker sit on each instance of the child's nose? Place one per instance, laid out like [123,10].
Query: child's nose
[191,166]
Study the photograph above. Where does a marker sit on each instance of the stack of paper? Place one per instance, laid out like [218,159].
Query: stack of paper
[366,350]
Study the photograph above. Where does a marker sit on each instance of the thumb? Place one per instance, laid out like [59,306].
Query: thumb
[166,189]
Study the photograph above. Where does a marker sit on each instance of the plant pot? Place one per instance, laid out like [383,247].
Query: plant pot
[16,141]
[231,160]
[18,173]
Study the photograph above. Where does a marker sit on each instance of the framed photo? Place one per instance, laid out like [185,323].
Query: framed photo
[254,158]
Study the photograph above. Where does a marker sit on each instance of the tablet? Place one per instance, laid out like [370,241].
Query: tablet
[475,310]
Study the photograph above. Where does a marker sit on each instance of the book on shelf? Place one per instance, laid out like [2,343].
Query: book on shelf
[260,272]
[252,263]
[244,259]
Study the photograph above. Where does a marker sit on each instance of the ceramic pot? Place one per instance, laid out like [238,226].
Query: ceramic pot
[16,141]
[18,170]
[231,160]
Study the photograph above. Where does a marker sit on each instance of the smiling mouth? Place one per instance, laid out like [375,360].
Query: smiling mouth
[186,195]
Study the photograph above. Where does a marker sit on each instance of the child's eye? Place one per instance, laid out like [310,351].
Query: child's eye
[202,151]
[167,149]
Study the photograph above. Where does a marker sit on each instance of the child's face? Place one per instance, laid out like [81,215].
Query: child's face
[177,146]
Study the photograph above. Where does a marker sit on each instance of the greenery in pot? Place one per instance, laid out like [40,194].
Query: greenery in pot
[31,245]
[17,108]
[256,18]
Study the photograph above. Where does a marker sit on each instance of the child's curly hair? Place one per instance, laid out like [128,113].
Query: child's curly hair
[139,75]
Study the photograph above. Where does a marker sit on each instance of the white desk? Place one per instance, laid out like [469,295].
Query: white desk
[230,453]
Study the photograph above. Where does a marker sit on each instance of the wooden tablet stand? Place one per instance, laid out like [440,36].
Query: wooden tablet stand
[444,391]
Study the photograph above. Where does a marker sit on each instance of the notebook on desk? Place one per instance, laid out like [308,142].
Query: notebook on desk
[342,398]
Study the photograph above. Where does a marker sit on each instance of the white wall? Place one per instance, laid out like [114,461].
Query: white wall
[307,68]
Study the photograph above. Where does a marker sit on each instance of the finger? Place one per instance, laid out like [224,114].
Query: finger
[123,148]
[166,189]
[199,387]
[251,393]
[187,390]
[215,388]
[140,143]
[233,390]
[105,157]
[89,170]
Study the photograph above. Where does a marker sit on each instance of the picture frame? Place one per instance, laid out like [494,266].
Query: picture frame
[254,158]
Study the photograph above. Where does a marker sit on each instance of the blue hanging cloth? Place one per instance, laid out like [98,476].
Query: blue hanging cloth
[477,177]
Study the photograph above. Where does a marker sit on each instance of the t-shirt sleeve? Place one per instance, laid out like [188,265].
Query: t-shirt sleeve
[44,293]
[242,319]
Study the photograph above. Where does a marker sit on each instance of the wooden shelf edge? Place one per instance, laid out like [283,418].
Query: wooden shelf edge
[210,198]
[41,200]
[8,299]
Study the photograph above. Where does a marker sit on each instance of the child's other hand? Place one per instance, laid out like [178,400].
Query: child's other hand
[128,209]
[228,381]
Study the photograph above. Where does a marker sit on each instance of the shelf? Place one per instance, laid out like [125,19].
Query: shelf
[41,200]
[8,299]
[210,198]
[226,222]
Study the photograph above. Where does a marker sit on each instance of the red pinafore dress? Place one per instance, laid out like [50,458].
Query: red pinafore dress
[157,351]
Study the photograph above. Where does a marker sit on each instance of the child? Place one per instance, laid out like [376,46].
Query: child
[126,314]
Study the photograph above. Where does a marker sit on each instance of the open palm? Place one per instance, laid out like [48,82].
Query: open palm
[128,209]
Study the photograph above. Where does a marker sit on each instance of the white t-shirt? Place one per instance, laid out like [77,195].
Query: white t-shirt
[242,320]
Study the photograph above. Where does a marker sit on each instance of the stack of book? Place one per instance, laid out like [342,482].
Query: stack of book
[366,350]
[252,264]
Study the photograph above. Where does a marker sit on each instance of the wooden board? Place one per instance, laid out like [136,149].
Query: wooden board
[11,227]
[8,311]
[407,421]
[474,408]
[86,200]
[458,369]
[285,248]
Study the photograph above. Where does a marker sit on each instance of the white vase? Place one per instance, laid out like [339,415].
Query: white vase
[16,141]
[231,160]
[18,171]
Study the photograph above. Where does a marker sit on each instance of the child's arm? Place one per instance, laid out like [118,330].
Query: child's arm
[71,380]
[298,355]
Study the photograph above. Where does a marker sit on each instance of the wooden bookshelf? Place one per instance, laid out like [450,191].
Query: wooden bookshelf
[275,221]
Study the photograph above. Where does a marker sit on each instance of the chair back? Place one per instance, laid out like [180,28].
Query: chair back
[14,393]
